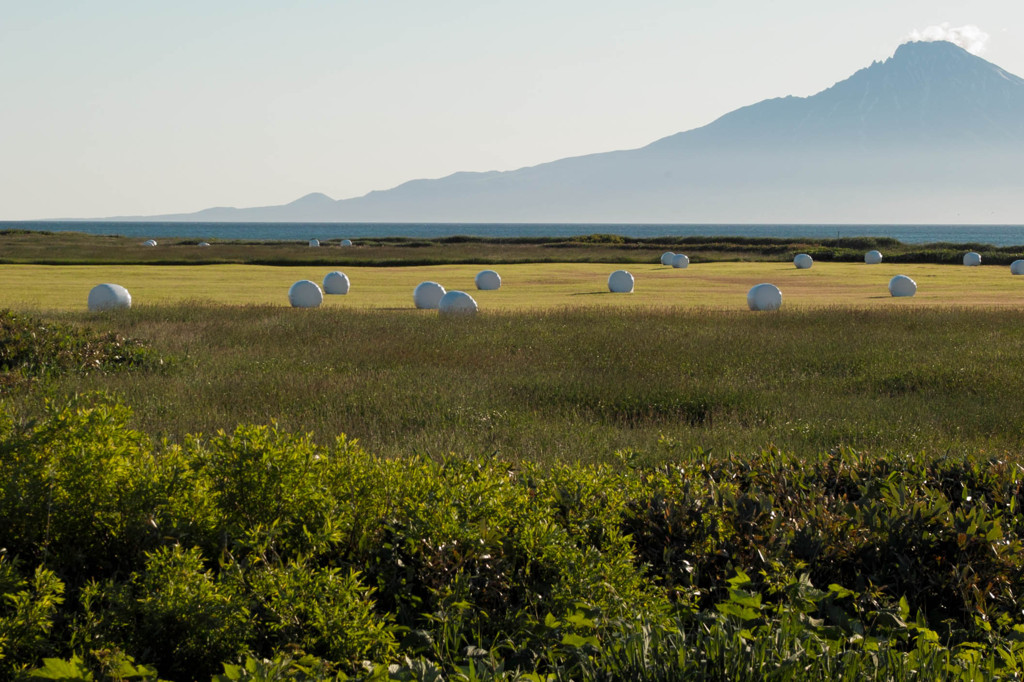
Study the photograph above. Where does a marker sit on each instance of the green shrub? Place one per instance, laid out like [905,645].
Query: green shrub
[176,614]
[28,607]
[259,477]
[326,612]
[76,490]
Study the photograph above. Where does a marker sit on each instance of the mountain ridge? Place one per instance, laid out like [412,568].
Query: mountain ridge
[931,134]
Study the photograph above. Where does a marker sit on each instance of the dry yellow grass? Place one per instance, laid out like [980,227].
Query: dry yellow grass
[524,287]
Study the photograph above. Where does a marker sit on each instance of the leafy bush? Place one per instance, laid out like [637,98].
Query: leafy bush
[78,491]
[176,613]
[28,606]
[271,557]
[324,611]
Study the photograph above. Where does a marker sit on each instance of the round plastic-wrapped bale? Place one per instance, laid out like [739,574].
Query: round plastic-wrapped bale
[803,261]
[108,297]
[680,261]
[764,297]
[427,295]
[666,258]
[1017,267]
[203,244]
[456,303]
[314,242]
[620,282]
[873,257]
[488,280]
[305,294]
[149,242]
[336,283]
[901,285]
[346,242]
[972,258]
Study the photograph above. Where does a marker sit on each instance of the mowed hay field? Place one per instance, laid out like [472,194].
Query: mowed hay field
[532,286]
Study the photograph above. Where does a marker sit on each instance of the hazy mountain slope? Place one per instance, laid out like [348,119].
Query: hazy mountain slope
[932,134]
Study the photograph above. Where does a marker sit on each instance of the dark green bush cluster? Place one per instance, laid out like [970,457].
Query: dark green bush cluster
[286,560]
[30,347]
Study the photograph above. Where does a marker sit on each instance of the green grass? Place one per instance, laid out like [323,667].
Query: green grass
[577,385]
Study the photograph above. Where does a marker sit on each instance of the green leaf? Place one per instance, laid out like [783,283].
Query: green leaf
[744,598]
[67,671]
[743,613]
[574,640]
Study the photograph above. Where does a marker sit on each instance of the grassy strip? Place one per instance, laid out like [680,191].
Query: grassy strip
[69,248]
[578,385]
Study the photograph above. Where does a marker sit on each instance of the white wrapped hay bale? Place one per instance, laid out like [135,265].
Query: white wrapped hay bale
[314,243]
[108,297]
[305,294]
[346,242]
[456,303]
[764,297]
[488,280]
[803,261]
[972,258]
[203,244]
[680,261]
[620,282]
[149,242]
[901,285]
[1017,267]
[873,257]
[336,283]
[427,295]
[666,258]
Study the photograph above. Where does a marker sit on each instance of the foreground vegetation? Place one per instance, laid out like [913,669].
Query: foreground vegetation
[123,558]
[650,494]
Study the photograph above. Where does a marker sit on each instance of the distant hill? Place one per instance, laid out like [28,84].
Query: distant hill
[933,134]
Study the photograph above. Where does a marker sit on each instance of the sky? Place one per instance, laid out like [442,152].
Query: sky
[121,107]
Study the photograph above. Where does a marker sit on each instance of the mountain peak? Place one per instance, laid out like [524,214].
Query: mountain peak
[928,94]
[930,48]
[313,199]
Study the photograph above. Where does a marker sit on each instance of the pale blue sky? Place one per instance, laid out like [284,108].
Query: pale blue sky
[118,107]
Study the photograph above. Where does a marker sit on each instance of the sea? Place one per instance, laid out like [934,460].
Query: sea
[995,235]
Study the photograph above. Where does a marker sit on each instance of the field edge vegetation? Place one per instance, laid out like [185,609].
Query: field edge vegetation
[71,248]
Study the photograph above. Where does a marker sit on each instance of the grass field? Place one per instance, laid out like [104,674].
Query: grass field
[576,384]
[530,286]
[661,485]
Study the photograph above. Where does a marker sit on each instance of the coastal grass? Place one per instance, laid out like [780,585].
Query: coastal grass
[525,286]
[575,384]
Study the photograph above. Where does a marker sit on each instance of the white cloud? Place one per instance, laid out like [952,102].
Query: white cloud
[969,37]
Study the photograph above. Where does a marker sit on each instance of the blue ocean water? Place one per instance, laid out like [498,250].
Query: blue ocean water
[996,235]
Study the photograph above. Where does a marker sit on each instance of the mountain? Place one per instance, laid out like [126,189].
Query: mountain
[933,134]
